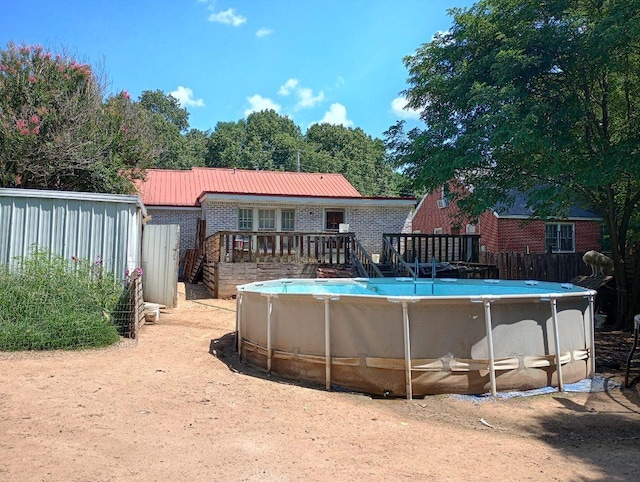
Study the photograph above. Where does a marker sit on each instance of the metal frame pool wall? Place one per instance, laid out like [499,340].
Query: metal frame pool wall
[413,346]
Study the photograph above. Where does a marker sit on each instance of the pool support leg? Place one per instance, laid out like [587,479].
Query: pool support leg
[327,345]
[492,365]
[407,349]
[239,325]
[269,311]
[327,335]
[556,334]
[592,330]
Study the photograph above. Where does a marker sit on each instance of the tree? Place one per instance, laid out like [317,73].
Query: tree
[268,141]
[166,106]
[55,130]
[178,148]
[265,140]
[539,96]
[357,155]
[225,145]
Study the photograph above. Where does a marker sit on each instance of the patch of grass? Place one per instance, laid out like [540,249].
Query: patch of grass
[48,302]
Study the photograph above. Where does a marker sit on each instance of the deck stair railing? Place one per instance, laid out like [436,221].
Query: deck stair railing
[363,262]
[395,261]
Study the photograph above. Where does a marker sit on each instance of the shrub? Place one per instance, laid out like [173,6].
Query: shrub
[48,302]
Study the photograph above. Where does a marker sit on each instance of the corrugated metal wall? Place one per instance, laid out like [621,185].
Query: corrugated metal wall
[84,225]
[160,259]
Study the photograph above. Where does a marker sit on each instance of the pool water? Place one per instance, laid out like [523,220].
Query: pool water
[409,287]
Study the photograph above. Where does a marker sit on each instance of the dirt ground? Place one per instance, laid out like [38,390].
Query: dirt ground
[177,405]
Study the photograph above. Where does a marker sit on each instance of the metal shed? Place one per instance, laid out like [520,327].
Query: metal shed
[84,225]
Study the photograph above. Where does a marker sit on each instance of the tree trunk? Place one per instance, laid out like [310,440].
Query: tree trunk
[634,306]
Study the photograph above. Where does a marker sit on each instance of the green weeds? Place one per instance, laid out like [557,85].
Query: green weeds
[48,302]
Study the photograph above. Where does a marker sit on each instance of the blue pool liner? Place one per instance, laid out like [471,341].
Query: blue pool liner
[598,384]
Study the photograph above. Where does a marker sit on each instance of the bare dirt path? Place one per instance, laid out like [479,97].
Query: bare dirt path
[176,405]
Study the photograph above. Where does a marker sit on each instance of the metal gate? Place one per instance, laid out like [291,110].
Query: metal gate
[160,260]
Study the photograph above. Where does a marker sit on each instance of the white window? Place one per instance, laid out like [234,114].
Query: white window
[245,219]
[470,229]
[267,219]
[437,230]
[288,220]
[560,238]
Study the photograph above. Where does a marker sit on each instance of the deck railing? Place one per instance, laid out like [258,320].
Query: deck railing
[395,261]
[284,247]
[444,248]
[363,262]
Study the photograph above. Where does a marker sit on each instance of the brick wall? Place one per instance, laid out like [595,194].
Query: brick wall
[487,228]
[186,218]
[588,236]
[367,222]
[499,234]
[429,216]
[513,235]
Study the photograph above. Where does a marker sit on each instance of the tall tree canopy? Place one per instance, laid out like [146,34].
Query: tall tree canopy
[539,96]
[267,140]
[357,155]
[58,129]
[178,147]
[166,106]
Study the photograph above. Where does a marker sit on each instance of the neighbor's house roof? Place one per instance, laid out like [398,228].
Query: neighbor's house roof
[164,187]
[520,210]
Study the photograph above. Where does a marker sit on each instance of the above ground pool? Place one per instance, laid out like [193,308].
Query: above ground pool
[410,338]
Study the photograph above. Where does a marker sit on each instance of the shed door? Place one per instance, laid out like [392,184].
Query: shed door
[160,260]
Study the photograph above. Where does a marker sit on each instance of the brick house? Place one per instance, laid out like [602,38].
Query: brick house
[246,200]
[504,229]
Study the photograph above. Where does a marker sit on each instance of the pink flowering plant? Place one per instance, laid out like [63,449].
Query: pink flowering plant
[132,274]
[60,130]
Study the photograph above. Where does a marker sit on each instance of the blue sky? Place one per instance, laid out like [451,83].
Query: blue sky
[337,61]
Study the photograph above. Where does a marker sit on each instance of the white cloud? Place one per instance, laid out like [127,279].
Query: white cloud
[337,115]
[307,99]
[263,32]
[229,17]
[288,86]
[399,108]
[258,103]
[185,97]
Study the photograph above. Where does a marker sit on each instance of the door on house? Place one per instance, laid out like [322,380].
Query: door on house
[160,260]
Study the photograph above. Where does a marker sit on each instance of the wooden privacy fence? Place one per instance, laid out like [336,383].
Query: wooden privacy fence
[558,267]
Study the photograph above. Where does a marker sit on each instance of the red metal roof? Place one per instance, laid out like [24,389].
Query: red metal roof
[164,187]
